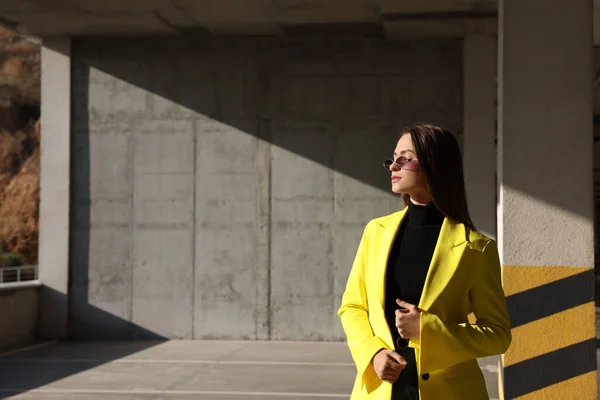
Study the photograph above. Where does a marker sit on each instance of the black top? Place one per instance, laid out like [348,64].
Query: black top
[408,264]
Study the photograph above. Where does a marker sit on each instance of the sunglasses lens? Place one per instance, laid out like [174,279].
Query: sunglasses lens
[411,166]
[403,163]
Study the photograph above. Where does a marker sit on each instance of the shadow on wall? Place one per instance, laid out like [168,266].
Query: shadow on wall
[317,100]
[85,320]
[219,189]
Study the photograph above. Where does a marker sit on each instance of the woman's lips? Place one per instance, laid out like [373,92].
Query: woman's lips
[395,179]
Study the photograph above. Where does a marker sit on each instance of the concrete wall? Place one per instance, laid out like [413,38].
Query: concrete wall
[479,138]
[220,188]
[18,313]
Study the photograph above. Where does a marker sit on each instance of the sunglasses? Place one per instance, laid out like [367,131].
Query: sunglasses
[403,163]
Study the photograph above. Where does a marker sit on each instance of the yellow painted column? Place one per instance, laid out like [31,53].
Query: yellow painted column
[545,211]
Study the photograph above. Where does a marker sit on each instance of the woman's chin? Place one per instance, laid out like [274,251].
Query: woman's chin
[396,189]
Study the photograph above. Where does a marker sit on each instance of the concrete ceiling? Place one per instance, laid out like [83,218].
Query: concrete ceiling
[394,19]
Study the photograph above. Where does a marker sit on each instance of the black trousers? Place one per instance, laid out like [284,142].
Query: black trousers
[406,386]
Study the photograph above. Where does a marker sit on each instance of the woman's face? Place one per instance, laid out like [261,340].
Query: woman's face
[409,179]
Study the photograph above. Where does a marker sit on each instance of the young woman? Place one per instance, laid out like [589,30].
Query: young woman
[417,275]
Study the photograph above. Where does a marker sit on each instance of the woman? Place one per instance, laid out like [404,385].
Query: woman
[417,275]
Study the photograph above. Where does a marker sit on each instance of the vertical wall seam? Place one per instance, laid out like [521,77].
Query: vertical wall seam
[269,228]
[70,224]
[133,144]
[194,244]
[332,235]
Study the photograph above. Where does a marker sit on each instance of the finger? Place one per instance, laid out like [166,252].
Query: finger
[391,377]
[399,320]
[394,375]
[401,311]
[394,367]
[396,357]
[404,304]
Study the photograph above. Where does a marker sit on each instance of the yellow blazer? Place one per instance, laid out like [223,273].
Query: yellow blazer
[464,276]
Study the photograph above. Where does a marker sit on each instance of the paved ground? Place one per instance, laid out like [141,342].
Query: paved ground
[184,370]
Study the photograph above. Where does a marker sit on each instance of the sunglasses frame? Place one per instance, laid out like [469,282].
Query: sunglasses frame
[401,162]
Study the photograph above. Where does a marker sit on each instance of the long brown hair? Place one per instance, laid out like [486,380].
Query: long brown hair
[439,155]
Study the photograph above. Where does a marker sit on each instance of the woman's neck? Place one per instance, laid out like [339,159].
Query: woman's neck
[421,199]
[424,214]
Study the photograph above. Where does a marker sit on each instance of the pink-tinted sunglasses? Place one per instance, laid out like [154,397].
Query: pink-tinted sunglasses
[403,163]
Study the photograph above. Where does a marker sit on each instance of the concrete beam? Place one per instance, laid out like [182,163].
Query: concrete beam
[233,17]
[76,23]
[327,12]
[261,17]
[241,17]
[27,6]
[395,6]
[439,28]
[104,6]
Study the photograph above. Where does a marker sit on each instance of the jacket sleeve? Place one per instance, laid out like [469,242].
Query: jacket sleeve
[445,344]
[354,315]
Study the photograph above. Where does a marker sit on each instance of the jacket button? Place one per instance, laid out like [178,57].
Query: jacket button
[425,376]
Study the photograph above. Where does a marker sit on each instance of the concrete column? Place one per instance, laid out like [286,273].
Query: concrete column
[55,186]
[545,213]
[479,139]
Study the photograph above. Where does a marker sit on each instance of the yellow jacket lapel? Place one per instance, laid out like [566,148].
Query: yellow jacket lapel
[452,241]
[385,241]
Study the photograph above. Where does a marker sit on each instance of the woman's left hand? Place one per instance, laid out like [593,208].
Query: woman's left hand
[408,320]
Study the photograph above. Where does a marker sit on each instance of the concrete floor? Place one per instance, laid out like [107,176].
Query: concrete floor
[184,370]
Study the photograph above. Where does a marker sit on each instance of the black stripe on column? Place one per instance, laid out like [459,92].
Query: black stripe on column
[548,369]
[551,298]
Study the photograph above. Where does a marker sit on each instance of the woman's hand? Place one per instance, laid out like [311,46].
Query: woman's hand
[388,364]
[408,320]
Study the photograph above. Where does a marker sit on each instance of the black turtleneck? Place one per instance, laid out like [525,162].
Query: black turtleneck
[412,251]
[407,268]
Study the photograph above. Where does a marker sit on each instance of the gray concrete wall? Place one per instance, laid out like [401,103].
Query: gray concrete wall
[220,188]
[19,314]
[479,138]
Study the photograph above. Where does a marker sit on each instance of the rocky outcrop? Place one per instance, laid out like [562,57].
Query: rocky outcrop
[19,146]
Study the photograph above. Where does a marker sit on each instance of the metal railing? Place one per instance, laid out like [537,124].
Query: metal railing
[18,274]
